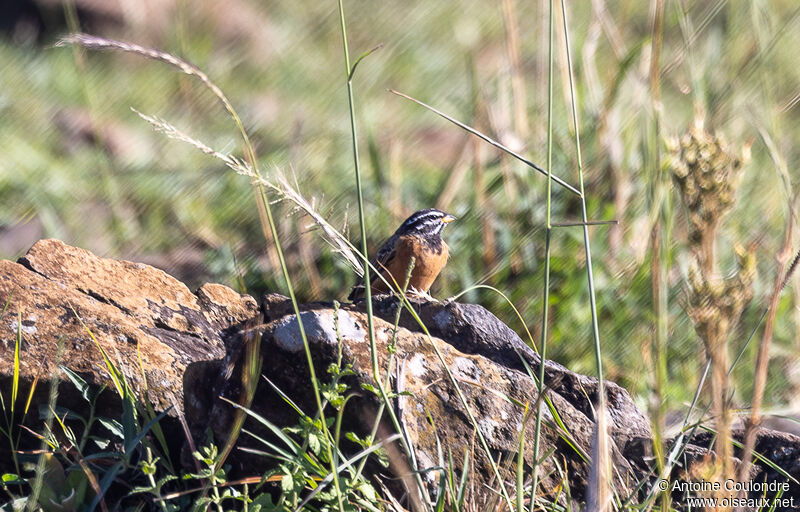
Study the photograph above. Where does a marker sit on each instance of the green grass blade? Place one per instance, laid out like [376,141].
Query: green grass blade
[116,376]
[346,464]
[276,431]
[491,141]
[15,381]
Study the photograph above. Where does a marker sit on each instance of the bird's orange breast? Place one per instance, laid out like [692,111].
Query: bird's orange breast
[428,262]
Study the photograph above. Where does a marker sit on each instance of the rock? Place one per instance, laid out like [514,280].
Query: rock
[72,301]
[486,359]
[471,374]
[474,330]
[780,448]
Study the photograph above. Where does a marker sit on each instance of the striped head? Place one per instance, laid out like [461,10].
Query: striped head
[425,223]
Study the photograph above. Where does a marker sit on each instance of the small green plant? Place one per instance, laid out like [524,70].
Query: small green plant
[301,454]
[149,467]
[81,456]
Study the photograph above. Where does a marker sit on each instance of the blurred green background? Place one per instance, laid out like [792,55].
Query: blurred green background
[77,164]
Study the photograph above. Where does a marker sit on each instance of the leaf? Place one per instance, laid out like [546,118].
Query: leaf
[166,479]
[370,388]
[105,483]
[294,447]
[383,457]
[79,383]
[287,483]
[263,503]
[130,427]
[100,442]
[12,479]
[15,382]
[279,453]
[314,443]
[364,443]
[62,412]
[360,58]
[113,425]
[131,443]
[366,489]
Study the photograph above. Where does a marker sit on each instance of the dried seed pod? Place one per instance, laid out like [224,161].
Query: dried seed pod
[706,172]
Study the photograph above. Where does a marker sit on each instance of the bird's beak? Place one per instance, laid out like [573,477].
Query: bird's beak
[448,219]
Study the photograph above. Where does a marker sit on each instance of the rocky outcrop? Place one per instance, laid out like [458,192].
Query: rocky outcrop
[489,363]
[72,303]
[465,372]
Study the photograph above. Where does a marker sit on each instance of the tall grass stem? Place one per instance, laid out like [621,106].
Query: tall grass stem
[549,230]
[349,72]
[586,241]
[603,458]
[99,43]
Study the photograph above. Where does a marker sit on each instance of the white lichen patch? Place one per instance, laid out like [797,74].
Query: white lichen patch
[417,366]
[383,336]
[465,368]
[489,427]
[349,328]
[28,326]
[319,328]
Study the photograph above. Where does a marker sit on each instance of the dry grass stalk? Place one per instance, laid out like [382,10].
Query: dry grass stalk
[100,43]
[284,190]
[91,42]
[706,172]
[521,125]
[599,492]
[762,359]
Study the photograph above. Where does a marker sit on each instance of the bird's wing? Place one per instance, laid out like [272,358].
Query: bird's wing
[385,255]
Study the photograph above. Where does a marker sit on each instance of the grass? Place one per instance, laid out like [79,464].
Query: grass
[157,195]
[637,78]
[548,236]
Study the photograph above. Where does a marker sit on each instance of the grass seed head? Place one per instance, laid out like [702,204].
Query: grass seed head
[706,173]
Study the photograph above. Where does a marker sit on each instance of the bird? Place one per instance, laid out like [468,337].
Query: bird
[420,237]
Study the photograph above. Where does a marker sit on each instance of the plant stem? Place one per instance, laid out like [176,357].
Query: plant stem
[363,231]
[585,217]
[546,295]
[659,247]
[762,359]
[601,394]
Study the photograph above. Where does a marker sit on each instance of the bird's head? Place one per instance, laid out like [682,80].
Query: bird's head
[425,222]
